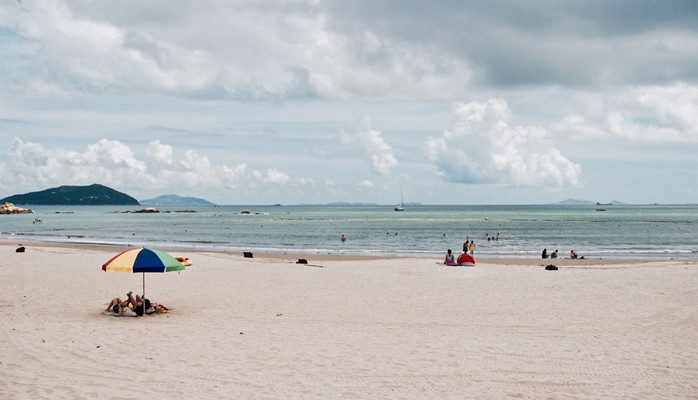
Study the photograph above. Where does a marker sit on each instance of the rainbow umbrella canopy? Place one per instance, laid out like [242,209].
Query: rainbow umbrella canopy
[143,260]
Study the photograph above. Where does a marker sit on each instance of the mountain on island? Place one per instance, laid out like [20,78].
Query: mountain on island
[92,195]
[174,200]
[575,202]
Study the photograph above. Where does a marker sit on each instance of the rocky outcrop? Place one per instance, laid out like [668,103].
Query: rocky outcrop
[9,208]
[145,210]
[148,210]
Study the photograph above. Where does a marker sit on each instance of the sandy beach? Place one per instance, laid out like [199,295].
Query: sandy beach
[350,328]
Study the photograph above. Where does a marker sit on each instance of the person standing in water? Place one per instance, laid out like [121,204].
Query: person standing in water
[472,248]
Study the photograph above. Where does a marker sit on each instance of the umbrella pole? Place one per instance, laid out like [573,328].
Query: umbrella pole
[143,286]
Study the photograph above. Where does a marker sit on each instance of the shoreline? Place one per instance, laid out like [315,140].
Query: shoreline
[293,257]
[646,234]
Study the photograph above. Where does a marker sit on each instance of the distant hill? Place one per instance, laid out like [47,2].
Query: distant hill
[575,202]
[174,200]
[92,195]
[342,203]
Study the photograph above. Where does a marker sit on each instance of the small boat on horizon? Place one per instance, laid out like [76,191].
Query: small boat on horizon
[401,206]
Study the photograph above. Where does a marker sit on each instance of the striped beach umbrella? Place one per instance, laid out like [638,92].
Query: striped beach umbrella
[143,260]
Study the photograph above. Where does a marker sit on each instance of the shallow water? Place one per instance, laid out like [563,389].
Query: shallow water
[644,232]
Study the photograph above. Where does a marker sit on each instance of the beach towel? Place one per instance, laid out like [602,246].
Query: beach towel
[155,309]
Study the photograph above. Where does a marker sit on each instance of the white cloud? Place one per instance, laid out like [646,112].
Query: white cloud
[112,154]
[644,114]
[481,147]
[371,144]
[579,127]
[159,154]
[276,177]
[366,184]
[620,125]
[225,50]
[112,163]
[674,109]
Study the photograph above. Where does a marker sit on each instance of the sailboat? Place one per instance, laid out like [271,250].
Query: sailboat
[401,206]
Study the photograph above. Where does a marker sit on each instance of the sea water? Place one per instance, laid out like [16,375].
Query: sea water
[658,232]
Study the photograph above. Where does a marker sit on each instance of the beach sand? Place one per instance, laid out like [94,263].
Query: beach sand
[354,328]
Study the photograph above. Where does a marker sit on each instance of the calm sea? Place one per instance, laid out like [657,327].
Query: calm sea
[643,232]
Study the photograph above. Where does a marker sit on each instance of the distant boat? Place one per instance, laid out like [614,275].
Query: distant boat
[401,206]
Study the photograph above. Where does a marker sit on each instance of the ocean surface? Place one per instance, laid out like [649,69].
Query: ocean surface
[656,232]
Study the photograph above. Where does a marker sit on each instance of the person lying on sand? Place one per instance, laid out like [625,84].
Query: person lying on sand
[135,304]
[117,305]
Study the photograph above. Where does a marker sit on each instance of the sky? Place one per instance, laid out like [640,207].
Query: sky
[296,102]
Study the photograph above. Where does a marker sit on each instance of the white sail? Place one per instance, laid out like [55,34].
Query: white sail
[401,206]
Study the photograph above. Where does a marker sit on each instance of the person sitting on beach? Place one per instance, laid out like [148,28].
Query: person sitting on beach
[553,254]
[545,253]
[449,258]
[138,304]
[573,254]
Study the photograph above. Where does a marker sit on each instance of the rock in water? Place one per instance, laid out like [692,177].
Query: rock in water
[9,208]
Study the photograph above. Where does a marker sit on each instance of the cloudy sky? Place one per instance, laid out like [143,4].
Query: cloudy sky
[263,102]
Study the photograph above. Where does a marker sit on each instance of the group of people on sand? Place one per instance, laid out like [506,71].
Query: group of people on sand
[133,306]
[573,254]
[468,245]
